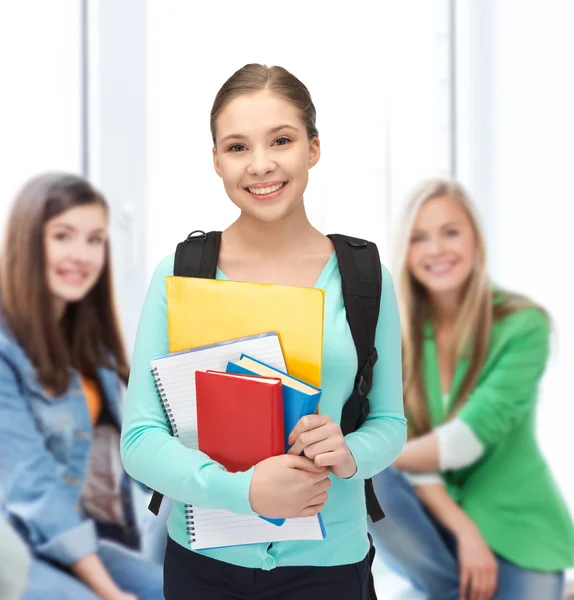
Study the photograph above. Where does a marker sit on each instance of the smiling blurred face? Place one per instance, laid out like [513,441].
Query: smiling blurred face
[75,250]
[263,155]
[443,246]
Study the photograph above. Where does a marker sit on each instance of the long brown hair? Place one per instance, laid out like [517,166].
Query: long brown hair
[481,306]
[253,78]
[88,335]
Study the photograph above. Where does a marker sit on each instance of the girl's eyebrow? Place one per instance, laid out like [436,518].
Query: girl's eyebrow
[240,136]
[72,228]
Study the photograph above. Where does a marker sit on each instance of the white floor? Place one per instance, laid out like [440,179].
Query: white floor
[391,587]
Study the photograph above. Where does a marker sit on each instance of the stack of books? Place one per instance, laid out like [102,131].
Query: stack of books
[244,367]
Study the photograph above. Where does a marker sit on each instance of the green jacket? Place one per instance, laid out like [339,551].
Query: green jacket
[509,492]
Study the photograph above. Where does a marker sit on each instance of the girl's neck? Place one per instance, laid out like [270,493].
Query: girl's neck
[291,235]
[445,309]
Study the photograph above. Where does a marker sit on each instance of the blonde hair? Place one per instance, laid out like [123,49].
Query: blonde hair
[476,315]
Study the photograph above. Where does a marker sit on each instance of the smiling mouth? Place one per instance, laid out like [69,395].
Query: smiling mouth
[73,278]
[440,268]
[266,191]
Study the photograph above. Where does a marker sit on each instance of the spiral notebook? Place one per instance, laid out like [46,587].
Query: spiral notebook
[174,375]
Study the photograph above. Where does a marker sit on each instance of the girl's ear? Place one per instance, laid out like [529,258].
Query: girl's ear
[314,151]
[216,164]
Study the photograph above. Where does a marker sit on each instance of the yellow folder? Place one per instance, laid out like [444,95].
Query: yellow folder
[210,311]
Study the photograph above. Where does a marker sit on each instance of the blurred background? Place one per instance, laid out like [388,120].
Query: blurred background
[481,90]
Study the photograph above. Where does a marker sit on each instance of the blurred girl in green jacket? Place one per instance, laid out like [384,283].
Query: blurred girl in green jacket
[472,509]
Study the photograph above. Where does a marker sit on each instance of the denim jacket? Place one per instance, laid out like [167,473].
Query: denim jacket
[46,447]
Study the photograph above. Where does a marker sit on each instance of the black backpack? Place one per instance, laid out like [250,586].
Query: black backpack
[360,268]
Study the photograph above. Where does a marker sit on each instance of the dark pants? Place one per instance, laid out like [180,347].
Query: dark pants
[190,575]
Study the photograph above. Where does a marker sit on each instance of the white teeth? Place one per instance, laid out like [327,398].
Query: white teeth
[267,190]
[73,277]
[442,268]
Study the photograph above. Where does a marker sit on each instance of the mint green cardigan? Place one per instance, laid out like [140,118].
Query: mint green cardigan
[509,492]
[151,455]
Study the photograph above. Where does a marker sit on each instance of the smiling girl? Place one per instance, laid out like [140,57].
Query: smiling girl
[62,368]
[473,511]
[264,143]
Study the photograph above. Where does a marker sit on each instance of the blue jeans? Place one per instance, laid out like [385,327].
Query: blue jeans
[14,562]
[419,549]
[129,570]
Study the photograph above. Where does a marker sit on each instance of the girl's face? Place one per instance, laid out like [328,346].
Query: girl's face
[75,251]
[443,246]
[263,155]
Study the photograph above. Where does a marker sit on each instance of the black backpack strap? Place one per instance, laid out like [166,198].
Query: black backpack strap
[196,256]
[360,269]
[361,275]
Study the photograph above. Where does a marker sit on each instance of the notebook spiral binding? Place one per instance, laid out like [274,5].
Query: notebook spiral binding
[164,402]
[190,523]
[189,517]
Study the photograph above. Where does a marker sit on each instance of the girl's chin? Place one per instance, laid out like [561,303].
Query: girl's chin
[65,294]
[444,286]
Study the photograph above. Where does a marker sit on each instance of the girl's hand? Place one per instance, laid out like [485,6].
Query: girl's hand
[321,440]
[288,486]
[477,564]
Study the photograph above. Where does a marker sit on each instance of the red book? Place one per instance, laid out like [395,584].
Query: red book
[239,418]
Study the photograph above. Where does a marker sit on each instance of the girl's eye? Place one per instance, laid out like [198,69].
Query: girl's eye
[417,238]
[282,141]
[452,232]
[236,148]
[97,240]
[61,237]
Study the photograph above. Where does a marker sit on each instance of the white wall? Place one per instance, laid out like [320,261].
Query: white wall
[516,157]
[117,158]
[40,103]
[349,56]
[419,112]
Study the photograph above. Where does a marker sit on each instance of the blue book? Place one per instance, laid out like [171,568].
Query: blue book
[299,398]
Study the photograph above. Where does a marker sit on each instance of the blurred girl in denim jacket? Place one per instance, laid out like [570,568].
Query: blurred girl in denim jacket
[62,369]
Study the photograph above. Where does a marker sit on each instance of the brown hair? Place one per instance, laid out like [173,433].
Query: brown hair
[256,78]
[481,306]
[88,335]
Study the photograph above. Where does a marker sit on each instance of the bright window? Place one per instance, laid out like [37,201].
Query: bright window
[40,106]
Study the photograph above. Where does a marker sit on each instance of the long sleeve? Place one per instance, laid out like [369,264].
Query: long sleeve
[150,453]
[508,392]
[381,438]
[35,488]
